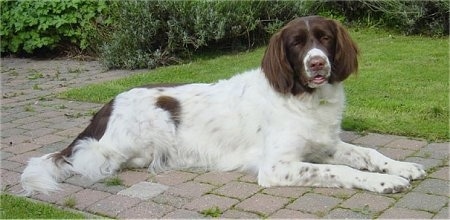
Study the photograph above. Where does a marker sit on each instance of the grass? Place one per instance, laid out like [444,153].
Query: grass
[70,202]
[213,212]
[401,88]
[114,181]
[29,108]
[201,69]
[13,207]
[35,75]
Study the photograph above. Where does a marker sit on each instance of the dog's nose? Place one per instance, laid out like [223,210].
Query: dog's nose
[316,63]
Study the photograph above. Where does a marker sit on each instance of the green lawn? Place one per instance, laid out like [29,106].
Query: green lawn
[13,207]
[401,88]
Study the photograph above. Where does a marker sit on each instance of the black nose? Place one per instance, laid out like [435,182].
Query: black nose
[316,63]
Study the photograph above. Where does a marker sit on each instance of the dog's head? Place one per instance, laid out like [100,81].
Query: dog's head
[307,53]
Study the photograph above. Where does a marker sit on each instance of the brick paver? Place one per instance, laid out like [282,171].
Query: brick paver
[420,201]
[144,190]
[290,192]
[61,196]
[183,214]
[443,214]
[173,200]
[35,122]
[87,197]
[433,186]
[375,140]
[218,178]
[174,177]
[130,177]
[191,189]
[211,201]
[9,178]
[368,202]
[402,213]
[22,148]
[113,205]
[287,213]
[396,154]
[407,144]
[441,173]
[237,214]
[264,204]
[238,190]
[146,210]
[340,213]
[315,203]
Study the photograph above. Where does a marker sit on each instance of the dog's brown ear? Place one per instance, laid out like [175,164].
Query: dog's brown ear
[346,54]
[276,66]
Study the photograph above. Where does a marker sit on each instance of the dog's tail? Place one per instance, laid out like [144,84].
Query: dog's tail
[42,174]
[88,157]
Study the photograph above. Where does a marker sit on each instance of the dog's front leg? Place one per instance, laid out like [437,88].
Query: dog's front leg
[370,159]
[325,175]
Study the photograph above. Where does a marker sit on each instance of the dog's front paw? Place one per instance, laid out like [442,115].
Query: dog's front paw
[385,183]
[407,170]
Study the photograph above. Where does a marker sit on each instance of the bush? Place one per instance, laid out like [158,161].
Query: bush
[27,26]
[410,17]
[147,34]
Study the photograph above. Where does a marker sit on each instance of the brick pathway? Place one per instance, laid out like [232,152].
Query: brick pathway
[34,122]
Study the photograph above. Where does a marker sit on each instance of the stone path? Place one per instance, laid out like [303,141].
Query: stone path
[34,122]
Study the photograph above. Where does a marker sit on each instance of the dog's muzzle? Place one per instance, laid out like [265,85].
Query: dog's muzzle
[317,67]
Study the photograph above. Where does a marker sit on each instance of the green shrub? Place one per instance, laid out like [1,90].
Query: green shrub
[27,26]
[410,17]
[147,34]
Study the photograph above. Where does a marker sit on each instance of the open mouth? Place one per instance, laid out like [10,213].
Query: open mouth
[318,79]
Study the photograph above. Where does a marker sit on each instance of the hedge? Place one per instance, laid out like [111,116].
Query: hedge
[28,26]
[145,34]
[429,18]
[153,33]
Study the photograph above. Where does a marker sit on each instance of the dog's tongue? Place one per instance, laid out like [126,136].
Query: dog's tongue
[318,79]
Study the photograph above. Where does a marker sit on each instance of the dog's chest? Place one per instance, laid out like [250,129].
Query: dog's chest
[322,121]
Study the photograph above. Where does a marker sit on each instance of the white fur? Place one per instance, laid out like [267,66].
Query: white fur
[42,175]
[314,52]
[237,124]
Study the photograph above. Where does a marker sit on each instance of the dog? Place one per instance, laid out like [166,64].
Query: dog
[280,121]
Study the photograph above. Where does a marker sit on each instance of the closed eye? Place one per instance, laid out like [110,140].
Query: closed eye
[324,38]
[297,43]
[299,40]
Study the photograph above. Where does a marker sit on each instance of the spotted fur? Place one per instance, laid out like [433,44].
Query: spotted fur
[280,122]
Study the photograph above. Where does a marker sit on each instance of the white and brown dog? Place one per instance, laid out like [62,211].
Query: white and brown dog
[280,122]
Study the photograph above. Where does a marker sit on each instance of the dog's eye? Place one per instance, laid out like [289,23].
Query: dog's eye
[298,41]
[324,38]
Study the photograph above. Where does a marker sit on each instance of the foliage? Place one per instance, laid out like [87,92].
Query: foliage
[70,202]
[27,26]
[114,181]
[213,212]
[147,34]
[410,17]
[14,207]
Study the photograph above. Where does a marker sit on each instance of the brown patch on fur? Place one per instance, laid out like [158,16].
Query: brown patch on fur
[171,105]
[95,130]
[283,59]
